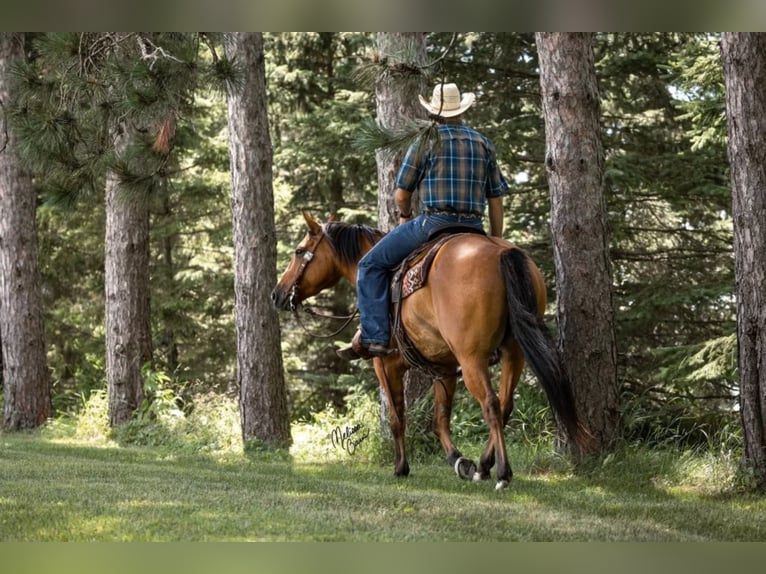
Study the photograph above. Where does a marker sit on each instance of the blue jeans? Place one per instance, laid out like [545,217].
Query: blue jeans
[374,271]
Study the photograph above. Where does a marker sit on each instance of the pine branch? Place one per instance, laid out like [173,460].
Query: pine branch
[372,137]
[381,66]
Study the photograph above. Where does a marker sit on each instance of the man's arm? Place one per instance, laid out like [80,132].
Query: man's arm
[403,199]
[495,216]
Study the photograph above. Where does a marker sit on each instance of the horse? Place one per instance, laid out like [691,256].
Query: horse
[482,295]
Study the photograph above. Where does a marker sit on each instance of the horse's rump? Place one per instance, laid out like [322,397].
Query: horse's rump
[462,301]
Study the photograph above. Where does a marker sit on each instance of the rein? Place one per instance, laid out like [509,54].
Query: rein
[309,311]
[308,255]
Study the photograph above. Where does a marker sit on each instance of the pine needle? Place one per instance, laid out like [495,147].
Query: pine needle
[381,65]
[371,137]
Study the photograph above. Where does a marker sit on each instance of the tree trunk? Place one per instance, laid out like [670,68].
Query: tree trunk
[128,322]
[22,341]
[575,168]
[397,97]
[262,393]
[744,63]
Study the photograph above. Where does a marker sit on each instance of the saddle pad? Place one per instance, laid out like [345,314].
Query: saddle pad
[415,278]
[413,272]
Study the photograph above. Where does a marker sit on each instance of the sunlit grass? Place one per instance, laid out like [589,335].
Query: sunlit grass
[186,476]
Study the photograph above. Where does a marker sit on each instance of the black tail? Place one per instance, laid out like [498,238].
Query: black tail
[527,326]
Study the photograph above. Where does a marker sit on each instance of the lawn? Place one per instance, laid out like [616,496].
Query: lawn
[62,490]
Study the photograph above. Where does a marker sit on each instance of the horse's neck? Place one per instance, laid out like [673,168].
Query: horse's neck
[349,271]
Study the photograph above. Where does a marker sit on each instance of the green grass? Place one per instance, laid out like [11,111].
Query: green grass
[59,489]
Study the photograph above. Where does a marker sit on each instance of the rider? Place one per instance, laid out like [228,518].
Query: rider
[456,178]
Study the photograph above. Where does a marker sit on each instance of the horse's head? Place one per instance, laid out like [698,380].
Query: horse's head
[312,269]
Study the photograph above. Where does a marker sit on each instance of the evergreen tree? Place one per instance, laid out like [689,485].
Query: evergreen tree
[315,103]
[744,63]
[22,345]
[128,323]
[666,177]
[669,210]
[263,397]
[575,164]
[99,111]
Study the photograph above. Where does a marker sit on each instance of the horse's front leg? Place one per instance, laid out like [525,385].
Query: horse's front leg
[444,392]
[390,372]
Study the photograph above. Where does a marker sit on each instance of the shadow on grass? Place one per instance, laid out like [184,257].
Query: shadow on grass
[54,491]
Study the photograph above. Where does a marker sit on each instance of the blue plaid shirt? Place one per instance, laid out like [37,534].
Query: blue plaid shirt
[456,175]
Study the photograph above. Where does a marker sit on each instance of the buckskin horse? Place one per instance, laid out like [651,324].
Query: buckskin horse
[482,295]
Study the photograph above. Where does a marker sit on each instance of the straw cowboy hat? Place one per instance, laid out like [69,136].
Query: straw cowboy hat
[447,102]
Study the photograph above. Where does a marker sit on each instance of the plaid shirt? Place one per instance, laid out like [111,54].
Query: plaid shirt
[456,176]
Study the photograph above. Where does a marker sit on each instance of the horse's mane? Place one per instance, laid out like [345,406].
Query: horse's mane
[346,239]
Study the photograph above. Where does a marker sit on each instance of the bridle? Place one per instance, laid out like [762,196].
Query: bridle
[294,305]
[308,255]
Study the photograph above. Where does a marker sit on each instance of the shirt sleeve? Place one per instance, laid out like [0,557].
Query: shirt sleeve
[496,185]
[412,169]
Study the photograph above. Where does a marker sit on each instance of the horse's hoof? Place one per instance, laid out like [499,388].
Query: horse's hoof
[403,471]
[477,476]
[465,468]
[502,484]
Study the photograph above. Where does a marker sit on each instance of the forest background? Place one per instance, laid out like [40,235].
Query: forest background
[667,194]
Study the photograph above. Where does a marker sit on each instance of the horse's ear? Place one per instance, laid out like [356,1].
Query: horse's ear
[333,217]
[314,226]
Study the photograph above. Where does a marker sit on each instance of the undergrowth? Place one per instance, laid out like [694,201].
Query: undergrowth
[352,434]
[207,423]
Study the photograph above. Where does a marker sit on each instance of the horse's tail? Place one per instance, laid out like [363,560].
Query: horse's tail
[527,326]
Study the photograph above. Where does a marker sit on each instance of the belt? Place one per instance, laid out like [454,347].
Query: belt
[452,213]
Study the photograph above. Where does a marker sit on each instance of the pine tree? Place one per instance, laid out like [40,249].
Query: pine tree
[575,164]
[22,345]
[99,112]
[744,63]
[262,393]
[314,104]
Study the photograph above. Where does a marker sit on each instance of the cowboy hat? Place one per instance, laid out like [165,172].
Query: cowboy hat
[447,102]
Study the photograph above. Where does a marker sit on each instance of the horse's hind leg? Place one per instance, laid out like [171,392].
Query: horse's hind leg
[444,392]
[512,366]
[390,372]
[477,380]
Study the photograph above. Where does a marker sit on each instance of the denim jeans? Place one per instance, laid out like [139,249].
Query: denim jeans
[374,271]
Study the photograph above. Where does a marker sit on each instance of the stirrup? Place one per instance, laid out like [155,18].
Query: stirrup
[348,353]
[358,350]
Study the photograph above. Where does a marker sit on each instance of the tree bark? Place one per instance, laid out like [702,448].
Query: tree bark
[397,98]
[744,63]
[22,340]
[575,170]
[128,320]
[260,375]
